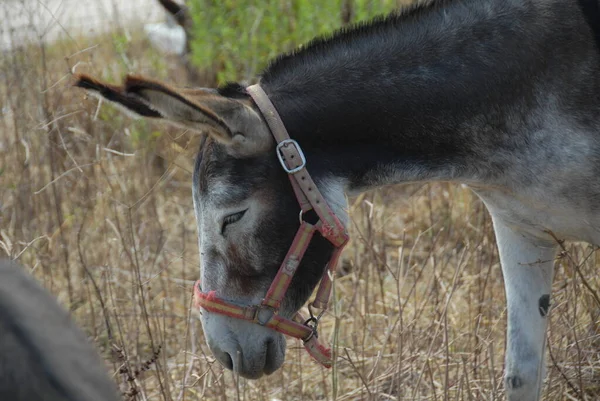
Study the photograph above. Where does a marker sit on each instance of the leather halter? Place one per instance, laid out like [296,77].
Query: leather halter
[309,197]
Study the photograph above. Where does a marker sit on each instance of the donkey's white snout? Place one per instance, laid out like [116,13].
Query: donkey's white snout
[244,347]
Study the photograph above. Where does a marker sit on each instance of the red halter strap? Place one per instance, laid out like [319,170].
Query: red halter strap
[309,197]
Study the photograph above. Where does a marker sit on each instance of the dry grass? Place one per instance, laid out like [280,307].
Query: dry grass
[107,226]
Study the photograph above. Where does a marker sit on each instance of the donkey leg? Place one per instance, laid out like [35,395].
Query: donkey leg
[528,267]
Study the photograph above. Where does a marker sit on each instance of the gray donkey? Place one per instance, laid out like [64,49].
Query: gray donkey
[502,95]
[44,356]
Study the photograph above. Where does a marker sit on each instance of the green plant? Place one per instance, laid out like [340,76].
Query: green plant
[236,38]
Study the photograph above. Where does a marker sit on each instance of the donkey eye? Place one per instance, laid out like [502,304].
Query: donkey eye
[232,218]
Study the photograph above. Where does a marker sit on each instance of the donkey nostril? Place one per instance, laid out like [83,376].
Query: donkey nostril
[228,362]
[271,363]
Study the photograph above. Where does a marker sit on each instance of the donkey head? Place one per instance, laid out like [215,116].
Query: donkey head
[245,208]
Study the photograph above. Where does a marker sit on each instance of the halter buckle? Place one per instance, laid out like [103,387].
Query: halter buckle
[264,319]
[280,156]
[312,334]
[313,323]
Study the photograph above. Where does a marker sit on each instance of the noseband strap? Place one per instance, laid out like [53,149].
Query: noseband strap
[292,160]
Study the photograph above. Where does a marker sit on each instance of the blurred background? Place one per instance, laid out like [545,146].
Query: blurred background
[98,207]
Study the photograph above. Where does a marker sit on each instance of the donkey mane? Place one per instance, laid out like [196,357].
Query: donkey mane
[344,36]
[348,36]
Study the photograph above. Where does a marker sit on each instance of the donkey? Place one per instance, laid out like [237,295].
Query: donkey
[501,95]
[43,355]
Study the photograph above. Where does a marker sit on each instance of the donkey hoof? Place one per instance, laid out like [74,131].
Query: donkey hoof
[513,382]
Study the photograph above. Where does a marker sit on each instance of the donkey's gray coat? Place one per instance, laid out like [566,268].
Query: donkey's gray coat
[44,356]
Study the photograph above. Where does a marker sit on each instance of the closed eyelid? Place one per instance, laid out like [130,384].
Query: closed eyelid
[231,218]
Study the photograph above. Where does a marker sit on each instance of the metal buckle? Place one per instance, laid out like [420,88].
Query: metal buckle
[313,333]
[259,308]
[312,317]
[312,323]
[287,142]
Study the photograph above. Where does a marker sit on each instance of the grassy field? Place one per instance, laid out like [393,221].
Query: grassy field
[88,207]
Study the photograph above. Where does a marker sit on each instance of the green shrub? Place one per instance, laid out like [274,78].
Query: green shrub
[236,38]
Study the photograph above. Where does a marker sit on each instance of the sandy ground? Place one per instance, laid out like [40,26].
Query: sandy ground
[26,20]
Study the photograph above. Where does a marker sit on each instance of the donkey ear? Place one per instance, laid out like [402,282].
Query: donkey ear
[117,95]
[232,122]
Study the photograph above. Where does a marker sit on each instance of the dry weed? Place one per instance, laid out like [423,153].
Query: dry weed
[107,226]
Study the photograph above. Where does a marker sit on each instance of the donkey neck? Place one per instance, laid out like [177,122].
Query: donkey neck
[421,96]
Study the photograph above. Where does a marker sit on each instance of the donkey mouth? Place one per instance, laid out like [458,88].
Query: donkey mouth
[254,365]
[266,364]
[274,348]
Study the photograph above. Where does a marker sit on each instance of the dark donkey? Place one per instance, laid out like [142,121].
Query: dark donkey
[501,95]
[44,356]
